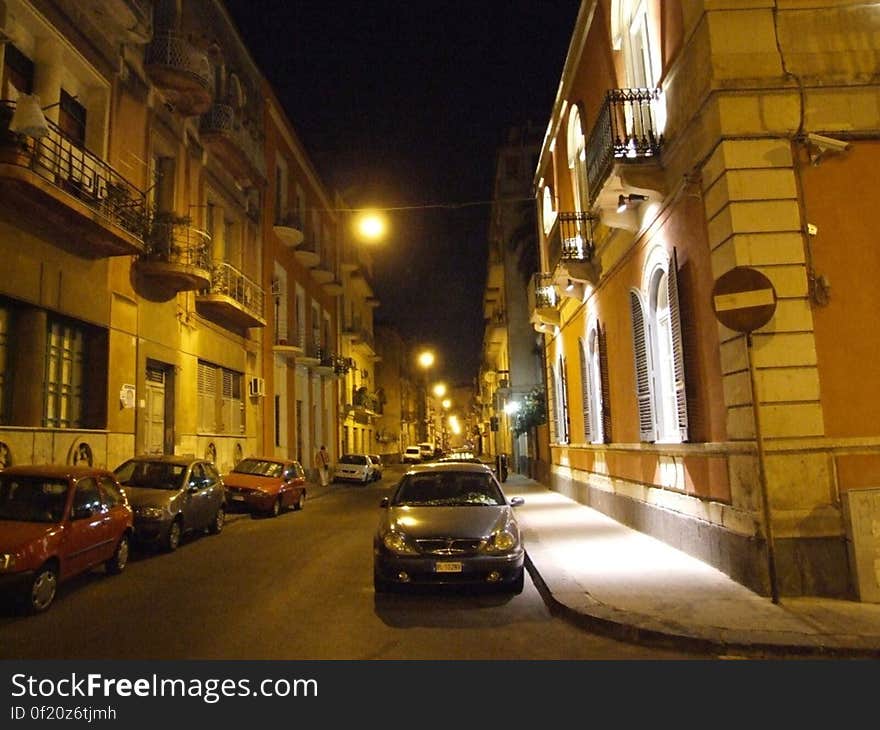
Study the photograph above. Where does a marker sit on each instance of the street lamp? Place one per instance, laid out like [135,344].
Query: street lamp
[426,361]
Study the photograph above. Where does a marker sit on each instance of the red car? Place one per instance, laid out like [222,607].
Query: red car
[57,522]
[266,484]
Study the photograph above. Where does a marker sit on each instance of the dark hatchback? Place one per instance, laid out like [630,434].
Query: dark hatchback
[448,524]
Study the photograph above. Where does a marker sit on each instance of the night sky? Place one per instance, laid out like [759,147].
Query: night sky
[403,105]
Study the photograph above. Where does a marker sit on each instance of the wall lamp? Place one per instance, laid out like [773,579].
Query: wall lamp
[28,117]
[624,200]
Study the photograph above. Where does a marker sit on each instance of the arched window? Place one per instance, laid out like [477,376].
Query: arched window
[577,159]
[548,212]
[659,360]
[591,379]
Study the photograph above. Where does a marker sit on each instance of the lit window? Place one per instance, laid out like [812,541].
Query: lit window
[577,159]
[64,376]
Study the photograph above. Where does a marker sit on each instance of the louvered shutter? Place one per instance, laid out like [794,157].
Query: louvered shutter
[606,392]
[207,391]
[586,394]
[644,395]
[677,352]
[552,405]
[565,424]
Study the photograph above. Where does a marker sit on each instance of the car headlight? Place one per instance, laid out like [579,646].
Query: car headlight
[397,543]
[501,541]
[7,562]
[150,513]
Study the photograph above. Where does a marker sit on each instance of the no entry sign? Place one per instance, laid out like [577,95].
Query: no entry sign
[743,299]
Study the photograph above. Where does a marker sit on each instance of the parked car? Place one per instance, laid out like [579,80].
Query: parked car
[172,496]
[412,455]
[448,523]
[427,451]
[266,484]
[354,468]
[57,522]
[378,466]
[467,457]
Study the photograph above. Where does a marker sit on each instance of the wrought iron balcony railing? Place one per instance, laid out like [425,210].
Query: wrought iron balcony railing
[176,242]
[626,130]
[230,282]
[542,293]
[182,70]
[67,165]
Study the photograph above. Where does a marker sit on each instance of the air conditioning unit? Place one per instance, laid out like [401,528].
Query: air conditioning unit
[256,387]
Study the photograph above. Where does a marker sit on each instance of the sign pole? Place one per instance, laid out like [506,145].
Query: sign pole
[762,477]
[744,300]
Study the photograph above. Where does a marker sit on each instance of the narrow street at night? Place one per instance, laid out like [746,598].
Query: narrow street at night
[299,587]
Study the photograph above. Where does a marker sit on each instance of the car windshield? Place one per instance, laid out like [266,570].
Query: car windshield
[353,459]
[447,489]
[151,474]
[259,467]
[32,499]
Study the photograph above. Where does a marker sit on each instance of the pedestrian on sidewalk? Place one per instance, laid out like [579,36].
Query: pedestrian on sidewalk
[323,461]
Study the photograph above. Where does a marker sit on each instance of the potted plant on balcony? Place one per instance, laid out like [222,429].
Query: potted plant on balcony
[159,237]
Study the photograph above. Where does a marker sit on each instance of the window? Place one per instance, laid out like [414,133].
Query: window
[659,360]
[72,118]
[591,379]
[19,73]
[5,393]
[577,159]
[64,376]
[558,388]
[548,213]
[87,497]
[220,402]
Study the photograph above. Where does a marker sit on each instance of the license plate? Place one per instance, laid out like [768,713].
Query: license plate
[237,498]
[447,567]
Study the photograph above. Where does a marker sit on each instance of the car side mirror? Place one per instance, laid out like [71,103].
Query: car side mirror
[384,503]
[517,501]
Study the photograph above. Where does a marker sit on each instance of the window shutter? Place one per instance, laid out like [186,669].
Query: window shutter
[565,424]
[678,355]
[647,432]
[586,394]
[552,405]
[606,393]
[207,390]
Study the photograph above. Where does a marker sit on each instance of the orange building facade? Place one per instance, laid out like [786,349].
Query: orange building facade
[688,138]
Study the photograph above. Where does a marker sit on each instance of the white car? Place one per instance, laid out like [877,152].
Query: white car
[354,468]
[412,455]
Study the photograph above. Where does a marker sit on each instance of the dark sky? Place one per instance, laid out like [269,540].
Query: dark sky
[403,105]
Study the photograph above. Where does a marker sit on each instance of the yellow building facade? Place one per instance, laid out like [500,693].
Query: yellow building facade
[686,139]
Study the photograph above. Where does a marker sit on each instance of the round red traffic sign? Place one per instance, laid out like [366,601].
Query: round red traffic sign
[743,299]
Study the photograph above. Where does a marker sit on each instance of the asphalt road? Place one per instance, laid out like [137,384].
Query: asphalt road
[296,587]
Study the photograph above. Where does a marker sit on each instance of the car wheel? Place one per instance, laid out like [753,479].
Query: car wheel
[219,520]
[43,588]
[300,502]
[117,563]
[276,507]
[172,539]
[517,584]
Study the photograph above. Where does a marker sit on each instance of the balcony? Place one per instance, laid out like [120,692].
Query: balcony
[231,143]
[333,287]
[331,364]
[177,256]
[322,272]
[624,146]
[232,299]
[543,303]
[312,354]
[307,254]
[496,323]
[181,71]
[289,345]
[571,250]
[75,196]
[289,229]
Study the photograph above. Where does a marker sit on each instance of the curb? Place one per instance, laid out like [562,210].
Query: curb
[637,629]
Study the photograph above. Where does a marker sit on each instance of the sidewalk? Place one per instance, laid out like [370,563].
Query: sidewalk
[620,582]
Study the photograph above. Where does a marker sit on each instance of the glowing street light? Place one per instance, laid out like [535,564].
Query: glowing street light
[426,359]
[371,226]
[440,390]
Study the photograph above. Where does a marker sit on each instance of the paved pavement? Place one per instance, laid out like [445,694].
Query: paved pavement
[610,578]
[613,580]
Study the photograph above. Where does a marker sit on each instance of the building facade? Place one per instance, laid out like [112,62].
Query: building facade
[687,139]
